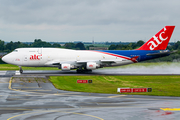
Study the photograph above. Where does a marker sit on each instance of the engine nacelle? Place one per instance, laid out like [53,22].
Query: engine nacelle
[65,67]
[91,65]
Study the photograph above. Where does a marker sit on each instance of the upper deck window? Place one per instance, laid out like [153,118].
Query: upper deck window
[15,51]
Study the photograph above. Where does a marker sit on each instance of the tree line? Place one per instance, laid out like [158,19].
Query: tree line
[77,46]
[80,46]
[38,43]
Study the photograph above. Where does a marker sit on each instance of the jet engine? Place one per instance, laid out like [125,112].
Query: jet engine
[65,67]
[91,65]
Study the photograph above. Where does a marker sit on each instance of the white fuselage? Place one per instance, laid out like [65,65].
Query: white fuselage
[45,57]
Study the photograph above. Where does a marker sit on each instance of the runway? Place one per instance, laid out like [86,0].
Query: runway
[74,73]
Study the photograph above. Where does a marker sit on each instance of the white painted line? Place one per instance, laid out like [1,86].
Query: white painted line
[17,73]
[116,96]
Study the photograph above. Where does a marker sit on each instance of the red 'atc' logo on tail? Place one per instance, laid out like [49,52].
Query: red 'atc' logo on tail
[160,40]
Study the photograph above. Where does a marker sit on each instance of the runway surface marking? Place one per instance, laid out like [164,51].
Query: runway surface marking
[21,99]
[17,73]
[15,109]
[29,91]
[36,90]
[170,109]
[27,87]
[52,111]
[116,96]
[10,84]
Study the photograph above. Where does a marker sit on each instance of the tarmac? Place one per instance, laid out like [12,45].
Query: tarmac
[25,98]
[74,73]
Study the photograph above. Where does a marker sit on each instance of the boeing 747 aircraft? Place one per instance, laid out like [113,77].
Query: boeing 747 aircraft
[88,60]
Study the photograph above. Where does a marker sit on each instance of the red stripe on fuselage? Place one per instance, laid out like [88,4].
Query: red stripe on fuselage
[127,58]
[114,55]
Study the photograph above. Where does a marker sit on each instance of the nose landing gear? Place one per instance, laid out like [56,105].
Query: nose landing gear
[20,69]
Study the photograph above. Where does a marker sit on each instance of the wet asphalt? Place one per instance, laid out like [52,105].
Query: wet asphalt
[42,101]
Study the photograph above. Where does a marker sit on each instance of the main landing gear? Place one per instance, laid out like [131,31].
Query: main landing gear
[83,71]
[20,69]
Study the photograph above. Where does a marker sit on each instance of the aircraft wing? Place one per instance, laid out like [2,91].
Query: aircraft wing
[110,61]
[53,63]
[56,62]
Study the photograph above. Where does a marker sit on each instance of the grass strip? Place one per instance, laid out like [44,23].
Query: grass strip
[161,85]
[14,67]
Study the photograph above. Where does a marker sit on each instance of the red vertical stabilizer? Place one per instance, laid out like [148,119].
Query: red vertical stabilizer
[160,40]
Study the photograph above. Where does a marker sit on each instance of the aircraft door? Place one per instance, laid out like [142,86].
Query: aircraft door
[39,50]
[39,56]
[78,58]
[25,60]
[139,58]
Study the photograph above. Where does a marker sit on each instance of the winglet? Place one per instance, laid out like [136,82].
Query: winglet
[160,40]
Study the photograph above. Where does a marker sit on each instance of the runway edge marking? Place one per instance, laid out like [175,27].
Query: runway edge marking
[116,96]
[170,109]
[55,111]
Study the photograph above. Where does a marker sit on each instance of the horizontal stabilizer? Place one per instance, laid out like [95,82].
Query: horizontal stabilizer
[160,53]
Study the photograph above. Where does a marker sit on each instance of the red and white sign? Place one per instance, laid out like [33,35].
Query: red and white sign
[139,90]
[131,90]
[123,90]
[82,81]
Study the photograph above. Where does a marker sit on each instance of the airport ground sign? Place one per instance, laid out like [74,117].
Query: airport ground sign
[131,90]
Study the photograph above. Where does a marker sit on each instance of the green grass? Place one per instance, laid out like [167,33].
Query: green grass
[8,67]
[161,85]
[14,67]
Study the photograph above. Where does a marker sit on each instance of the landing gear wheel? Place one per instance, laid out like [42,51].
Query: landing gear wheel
[89,71]
[21,71]
[83,71]
[79,71]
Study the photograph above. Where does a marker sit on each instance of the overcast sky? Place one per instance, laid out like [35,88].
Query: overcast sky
[81,20]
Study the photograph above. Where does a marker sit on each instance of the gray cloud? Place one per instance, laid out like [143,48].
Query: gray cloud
[69,20]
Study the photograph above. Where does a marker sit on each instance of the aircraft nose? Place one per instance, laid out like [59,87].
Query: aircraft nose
[6,59]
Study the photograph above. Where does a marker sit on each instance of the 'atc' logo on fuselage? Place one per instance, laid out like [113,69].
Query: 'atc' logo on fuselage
[35,57]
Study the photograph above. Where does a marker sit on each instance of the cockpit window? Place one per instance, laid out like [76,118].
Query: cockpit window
[15,51]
